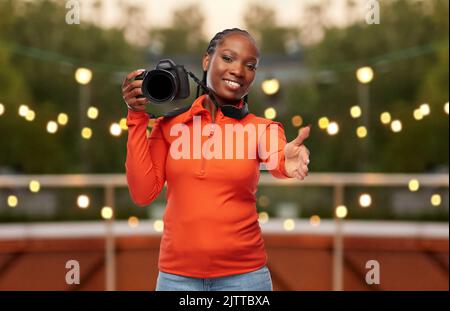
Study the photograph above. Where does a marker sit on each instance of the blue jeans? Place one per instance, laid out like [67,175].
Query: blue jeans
[258,280]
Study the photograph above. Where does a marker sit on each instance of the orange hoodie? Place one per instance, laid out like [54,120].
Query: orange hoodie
[211,224]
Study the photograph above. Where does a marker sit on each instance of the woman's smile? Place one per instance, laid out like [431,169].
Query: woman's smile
[232,85]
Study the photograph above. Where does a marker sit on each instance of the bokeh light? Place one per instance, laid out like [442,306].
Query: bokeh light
[323,123]
[355,111]
[289,224]
[333,128]
[385,117]
[83,201]
[413,185]
[52,127]
[341,211]
[436,199]
[12,201]
[63,118]
[92,113]
[34,186]
[365,200]
[361,131]
[83,75]
[270,86]
[270,113]
[396,126]
[364,74]
[107,212]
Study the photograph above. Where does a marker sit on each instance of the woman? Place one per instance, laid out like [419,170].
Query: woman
[211,239]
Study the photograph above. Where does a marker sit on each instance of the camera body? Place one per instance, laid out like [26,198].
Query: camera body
[167,82]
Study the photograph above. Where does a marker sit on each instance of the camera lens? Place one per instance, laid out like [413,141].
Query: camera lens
[159,86]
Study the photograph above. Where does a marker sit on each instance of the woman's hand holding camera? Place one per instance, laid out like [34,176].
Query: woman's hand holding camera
[131,92]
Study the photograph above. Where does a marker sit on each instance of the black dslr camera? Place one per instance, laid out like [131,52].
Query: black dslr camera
[166,82]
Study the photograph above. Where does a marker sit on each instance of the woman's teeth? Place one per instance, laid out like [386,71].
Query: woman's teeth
[232,84]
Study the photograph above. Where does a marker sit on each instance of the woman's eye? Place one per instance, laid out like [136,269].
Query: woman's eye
[251,67]
[227,58]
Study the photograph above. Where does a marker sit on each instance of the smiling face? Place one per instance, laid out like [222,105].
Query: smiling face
[232,67]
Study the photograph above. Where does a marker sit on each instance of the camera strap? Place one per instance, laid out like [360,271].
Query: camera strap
[230,111]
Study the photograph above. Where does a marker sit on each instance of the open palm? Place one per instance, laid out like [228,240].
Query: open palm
[297,155]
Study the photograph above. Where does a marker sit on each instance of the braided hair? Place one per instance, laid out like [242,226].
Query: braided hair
[216,40]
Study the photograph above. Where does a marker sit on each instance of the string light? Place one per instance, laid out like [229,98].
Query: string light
[92,112]
[12,201]
[385,117]
[425,109]
[133,222]
[62,118]
[123,124]
[83,201]
[361,131]
[418,114]
[413,185]
[107,212]
[86,133]
[52,127]
[289,224]
[355,112]
[341,211]
[333,128]
[396,126]
[445,108]
[158,225]
[2,109]
[364,74]
[297,121]
[263,217]
[115,129]
[365,200]
[23,110]
[436,200]
[34,186]
[270,86]
[323,122]
[30,115]
[270,113]
[314,220]
[83,75]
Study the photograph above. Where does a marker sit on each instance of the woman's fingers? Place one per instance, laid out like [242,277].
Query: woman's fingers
[130,77]
[302,172]
[132,85]
[297,175]
[132,94]
[137,101]
[304,155]
[302,168]
[132,88]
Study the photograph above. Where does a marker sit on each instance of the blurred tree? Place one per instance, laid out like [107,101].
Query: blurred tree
[44,53]
[183,36]
[420,30]
[39,53]
[272,38]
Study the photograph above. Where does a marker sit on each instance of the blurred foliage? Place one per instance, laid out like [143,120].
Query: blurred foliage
[39,53]
[399,86]
[182,36]
[272,38]
[48,87]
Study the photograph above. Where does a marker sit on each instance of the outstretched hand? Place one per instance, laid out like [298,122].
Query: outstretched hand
[297,155]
